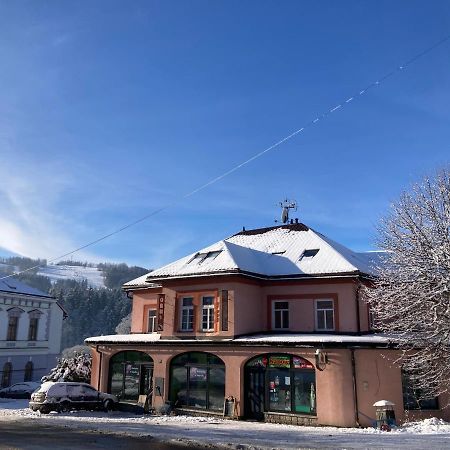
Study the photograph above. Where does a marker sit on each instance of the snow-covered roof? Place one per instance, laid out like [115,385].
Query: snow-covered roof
[12,285]
[263,339]
[135,338]
[315,338]
[282,251]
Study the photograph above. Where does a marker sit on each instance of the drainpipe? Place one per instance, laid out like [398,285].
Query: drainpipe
[358,319]
[355,392]
[99,368]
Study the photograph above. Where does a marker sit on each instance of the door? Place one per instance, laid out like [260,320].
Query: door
[255,399]
[146,381]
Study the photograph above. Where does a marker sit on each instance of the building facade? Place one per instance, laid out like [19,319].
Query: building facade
[272,320]
[30,332]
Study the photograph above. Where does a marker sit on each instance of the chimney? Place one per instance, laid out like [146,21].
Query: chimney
[296,220]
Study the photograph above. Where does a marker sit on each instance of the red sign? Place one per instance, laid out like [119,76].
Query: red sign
[161,299]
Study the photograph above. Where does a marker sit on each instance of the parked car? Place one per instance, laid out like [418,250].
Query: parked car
[65,396]
[20,390]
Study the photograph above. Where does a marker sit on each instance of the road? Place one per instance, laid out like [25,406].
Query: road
[39,436]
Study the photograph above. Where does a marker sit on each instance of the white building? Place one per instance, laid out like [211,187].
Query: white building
[30,332]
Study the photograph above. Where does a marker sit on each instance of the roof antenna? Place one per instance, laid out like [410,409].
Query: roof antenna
[286,205]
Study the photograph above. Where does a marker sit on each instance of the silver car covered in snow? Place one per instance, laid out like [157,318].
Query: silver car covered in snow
[65,396]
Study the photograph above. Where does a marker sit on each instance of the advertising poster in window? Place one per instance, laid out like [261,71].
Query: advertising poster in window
[198,374]
[300,363]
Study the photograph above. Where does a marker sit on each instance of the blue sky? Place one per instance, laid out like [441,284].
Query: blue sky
[112,109]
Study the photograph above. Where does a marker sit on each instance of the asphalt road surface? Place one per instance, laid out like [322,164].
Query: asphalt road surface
[38,436]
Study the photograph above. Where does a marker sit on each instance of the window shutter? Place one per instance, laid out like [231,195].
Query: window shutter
[224,310]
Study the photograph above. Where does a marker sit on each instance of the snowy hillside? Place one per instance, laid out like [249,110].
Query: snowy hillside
[93,275]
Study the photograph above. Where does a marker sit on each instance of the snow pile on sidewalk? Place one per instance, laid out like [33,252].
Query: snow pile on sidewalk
[426,426]
[231,434]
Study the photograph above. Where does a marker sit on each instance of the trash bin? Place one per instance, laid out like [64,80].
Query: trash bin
[385,414]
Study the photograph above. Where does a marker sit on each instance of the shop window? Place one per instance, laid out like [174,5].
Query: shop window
[152,318]
[414,398]
[187,314]
[28,374]
[279,383]
[6,375]
[130,375]
[208,313]
[197,380]
[324,315]
[280,315]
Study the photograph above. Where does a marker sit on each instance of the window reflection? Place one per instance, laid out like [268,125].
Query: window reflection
[197,380]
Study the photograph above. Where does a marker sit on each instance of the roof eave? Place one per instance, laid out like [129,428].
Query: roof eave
[156,282]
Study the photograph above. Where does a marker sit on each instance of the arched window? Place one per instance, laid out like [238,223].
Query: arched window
[130,375]
[28,376]
[197,380]
[6,375]
[279,383]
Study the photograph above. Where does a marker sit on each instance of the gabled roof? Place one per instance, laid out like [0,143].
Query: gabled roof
[276,252]
[14,286]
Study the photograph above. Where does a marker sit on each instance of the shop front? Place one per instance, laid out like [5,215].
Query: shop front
[279,383]
[130,375]
[197,381]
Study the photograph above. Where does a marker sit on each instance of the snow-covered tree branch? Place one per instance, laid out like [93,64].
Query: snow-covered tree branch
[75,368]
[412,293]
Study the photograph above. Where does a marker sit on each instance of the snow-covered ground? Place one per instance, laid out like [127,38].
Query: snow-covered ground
[430,433]
[79,273]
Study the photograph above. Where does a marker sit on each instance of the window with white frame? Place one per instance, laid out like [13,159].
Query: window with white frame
[324,315]
[151,328]
[280,315]
[187,314]
[208,313]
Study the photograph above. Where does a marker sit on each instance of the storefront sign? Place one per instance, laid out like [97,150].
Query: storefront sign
[283,361]
[258,362]
[300,363]
[161,312]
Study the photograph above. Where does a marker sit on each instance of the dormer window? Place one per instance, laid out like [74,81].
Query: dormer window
[309,254]
[199,258]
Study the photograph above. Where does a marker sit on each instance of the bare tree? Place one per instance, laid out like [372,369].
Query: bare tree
[411,298]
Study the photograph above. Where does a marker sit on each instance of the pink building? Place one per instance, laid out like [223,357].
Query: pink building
[272,318]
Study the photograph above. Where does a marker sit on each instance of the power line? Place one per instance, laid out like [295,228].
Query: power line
[212,181]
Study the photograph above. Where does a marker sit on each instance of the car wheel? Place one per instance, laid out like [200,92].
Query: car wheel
[64,407]
[108,405]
